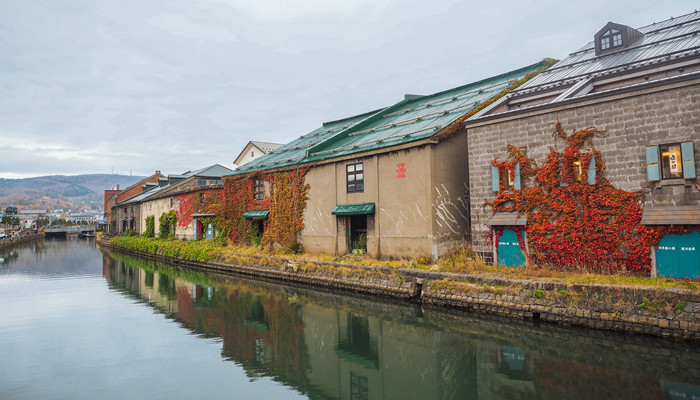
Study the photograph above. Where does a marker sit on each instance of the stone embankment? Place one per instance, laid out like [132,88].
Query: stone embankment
[664,312]
[12,242]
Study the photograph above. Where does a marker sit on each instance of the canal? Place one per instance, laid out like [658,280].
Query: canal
[79,323]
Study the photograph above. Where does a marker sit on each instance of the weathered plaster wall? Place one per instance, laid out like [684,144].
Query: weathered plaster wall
[420,198]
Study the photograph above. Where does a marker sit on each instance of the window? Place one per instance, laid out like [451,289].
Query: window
[201,182]
[355,177]
[252,154]
[505,177]
[201,198]
[359,387]
[611,38]
[671,161]
[578,171]
[671,166]
[171,202]
[259,188]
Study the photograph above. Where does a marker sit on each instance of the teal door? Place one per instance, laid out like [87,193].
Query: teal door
[509,252]
[678,256]
[210,232]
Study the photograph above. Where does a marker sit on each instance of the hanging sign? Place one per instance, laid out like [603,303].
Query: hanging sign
[673,156]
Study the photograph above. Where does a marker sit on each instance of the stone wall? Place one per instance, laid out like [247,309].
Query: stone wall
[671,313]
[631,120]
[12,242]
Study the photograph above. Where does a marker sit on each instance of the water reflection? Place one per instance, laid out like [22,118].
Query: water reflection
[329,346]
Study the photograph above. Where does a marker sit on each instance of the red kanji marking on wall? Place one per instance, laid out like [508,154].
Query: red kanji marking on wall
[401,171]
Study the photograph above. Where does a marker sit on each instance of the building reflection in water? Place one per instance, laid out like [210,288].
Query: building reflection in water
[328,346]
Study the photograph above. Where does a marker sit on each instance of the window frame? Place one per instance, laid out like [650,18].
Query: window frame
[352,183]
[609,38]
[665,162]
[259,189]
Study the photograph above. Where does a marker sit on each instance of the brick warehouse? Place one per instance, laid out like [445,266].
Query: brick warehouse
[642,87]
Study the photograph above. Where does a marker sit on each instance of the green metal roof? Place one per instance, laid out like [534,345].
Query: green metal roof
[414,118]
[256,214]
[353,209]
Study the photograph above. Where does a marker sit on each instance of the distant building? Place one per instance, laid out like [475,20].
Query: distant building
[88,217]
[11,210]
[253,150]
[120,222]
[167,195]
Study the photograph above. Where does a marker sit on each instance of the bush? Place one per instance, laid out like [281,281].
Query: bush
[202,251]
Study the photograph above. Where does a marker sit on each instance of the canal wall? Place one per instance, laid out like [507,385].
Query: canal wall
[664,312]
[15,241]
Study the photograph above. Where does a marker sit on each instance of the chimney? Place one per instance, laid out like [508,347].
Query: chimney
[157,172]
[117,186]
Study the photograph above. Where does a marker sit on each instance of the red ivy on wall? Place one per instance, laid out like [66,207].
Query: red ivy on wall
[203,201]
[579,224]
[286,202]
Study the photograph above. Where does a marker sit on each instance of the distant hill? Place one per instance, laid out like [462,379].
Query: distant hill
[75,192]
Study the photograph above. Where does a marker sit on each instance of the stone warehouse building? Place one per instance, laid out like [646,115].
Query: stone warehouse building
[121,219]
[392,181]
[156,195]
[167,195]
[642,87]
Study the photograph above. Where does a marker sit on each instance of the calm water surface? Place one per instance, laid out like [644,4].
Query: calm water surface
[77,323]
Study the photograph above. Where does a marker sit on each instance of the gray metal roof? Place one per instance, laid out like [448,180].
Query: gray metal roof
[212,171]
[672,39]
[266,146]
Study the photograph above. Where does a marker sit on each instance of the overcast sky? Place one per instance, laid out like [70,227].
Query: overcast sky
[134,86]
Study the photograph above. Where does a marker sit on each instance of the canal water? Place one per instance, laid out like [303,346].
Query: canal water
[77,323]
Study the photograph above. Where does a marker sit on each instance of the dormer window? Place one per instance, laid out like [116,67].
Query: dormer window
[611,38]
[614,37]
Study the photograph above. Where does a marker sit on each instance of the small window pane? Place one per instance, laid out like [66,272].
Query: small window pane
[617,40]
[351,187]
[360,187]
[359,167]
[351,168]
[605,43]
[351,178]
[360,177]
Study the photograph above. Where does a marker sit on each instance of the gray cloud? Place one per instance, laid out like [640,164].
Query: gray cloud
[95,86]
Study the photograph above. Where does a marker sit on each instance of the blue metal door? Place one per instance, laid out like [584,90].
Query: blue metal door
[678,256]
[210,231]
[509,252]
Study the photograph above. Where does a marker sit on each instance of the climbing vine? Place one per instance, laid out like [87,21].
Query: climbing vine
[285,198]
[167,223]
[201,201]
[575,216]
[288,194]
[150,227]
